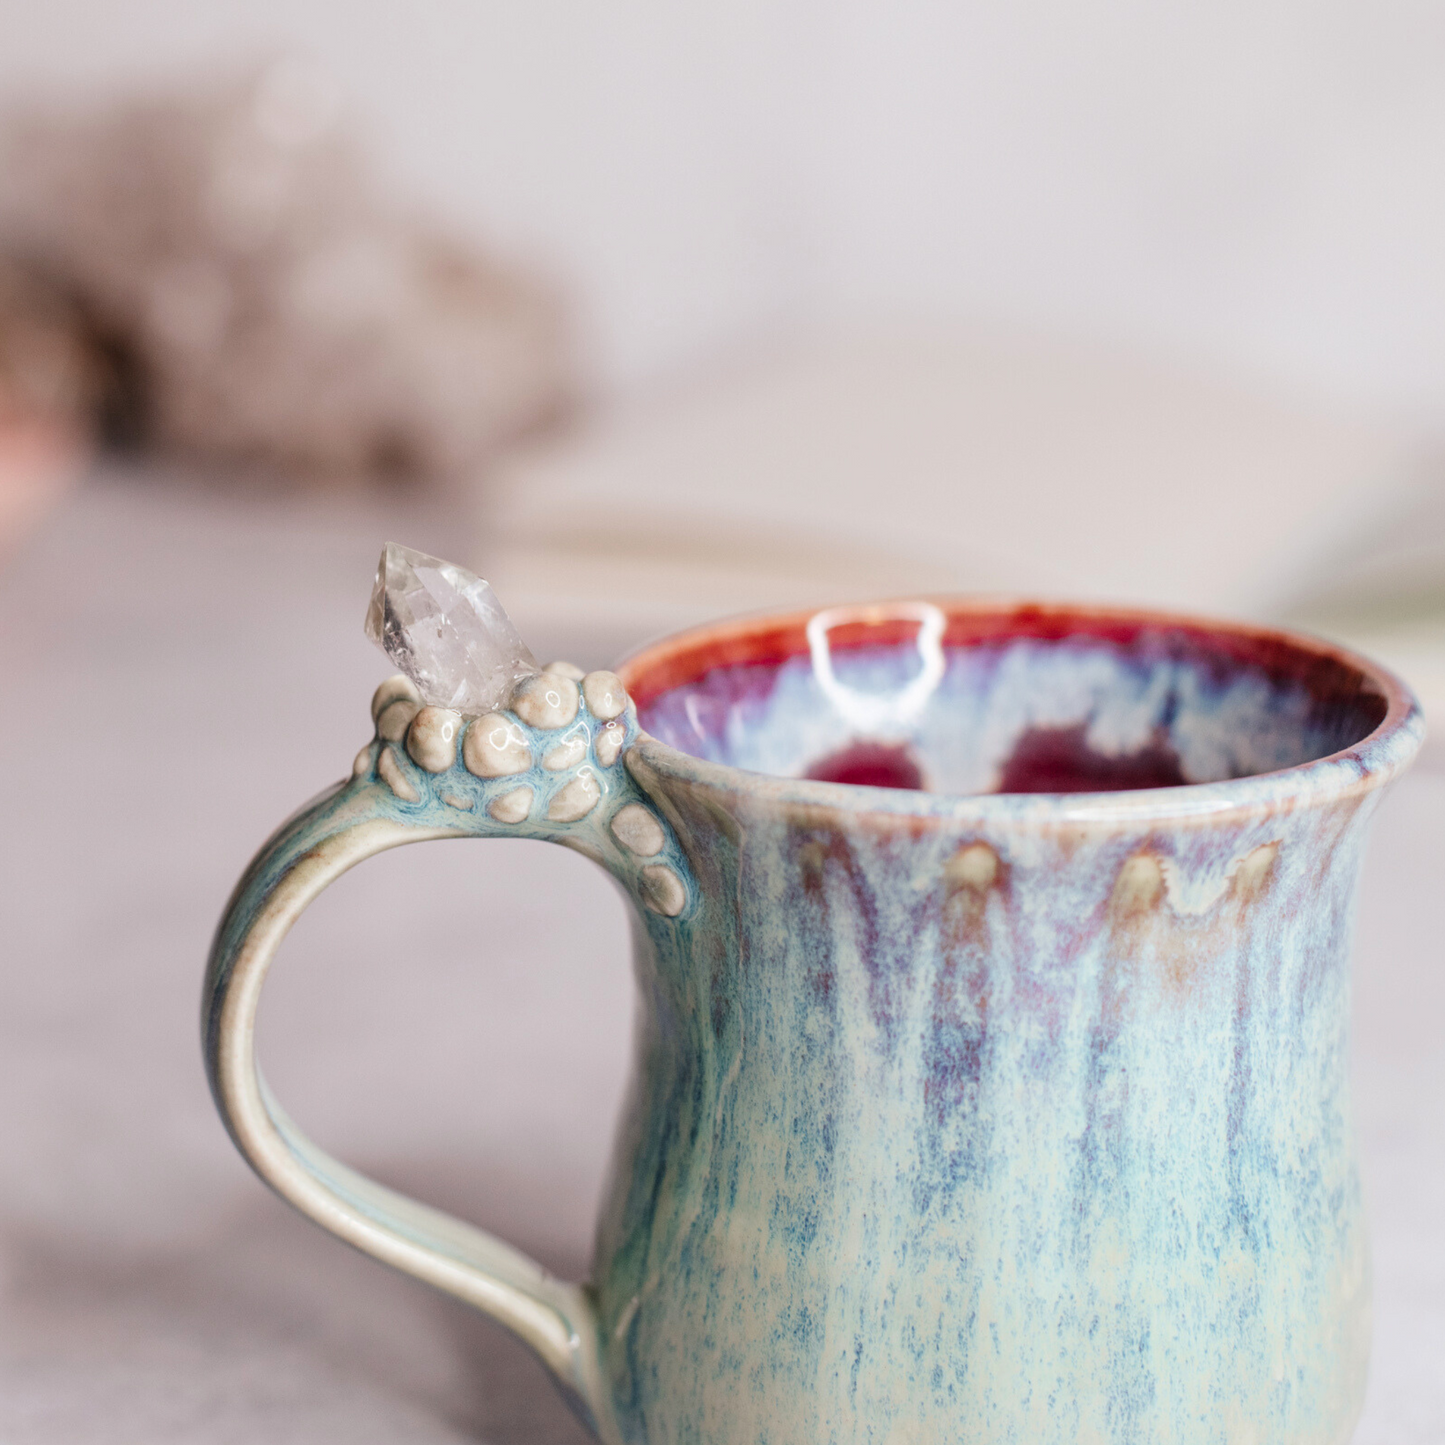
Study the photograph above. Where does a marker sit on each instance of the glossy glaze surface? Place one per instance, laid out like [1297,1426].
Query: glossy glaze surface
[1017,1118]
[1096,709]
[1008,1117]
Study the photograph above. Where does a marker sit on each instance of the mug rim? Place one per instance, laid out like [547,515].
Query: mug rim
[1369,763]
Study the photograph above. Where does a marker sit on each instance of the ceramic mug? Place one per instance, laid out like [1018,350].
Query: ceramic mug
[990,1077]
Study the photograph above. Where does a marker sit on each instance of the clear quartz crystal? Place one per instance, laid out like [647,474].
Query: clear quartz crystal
[446,630]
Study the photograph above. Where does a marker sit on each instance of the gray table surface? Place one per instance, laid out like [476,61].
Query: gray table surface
[182,668]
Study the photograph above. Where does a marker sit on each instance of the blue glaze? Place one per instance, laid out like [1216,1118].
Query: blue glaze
[1010,1118]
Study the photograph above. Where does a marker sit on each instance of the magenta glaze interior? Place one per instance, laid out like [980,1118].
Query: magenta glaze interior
[1029,700]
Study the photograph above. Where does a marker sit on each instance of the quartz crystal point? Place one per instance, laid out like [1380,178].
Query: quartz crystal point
[446,630]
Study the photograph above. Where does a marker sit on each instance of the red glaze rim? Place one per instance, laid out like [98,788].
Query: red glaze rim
[1324,668]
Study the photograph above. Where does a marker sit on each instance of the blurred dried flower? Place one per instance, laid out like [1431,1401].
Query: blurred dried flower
[272,305]
[53,380]
[50,369]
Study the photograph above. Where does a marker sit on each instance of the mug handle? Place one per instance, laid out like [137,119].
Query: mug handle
[407,794]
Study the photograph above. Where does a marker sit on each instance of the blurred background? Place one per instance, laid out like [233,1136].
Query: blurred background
[647,314]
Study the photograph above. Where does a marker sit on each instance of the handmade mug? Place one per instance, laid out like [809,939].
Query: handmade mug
[990,1074]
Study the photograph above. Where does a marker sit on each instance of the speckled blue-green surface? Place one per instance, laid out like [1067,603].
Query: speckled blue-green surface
[990,1117]
[1013,1119]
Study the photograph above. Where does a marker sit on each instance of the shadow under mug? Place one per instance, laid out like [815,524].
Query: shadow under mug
[990,1074]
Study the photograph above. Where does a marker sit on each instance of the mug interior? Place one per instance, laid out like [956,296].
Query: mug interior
[962,698]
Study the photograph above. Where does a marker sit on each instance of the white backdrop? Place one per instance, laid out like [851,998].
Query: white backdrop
[1262,185]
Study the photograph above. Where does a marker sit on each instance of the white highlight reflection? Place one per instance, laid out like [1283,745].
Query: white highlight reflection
[870,714]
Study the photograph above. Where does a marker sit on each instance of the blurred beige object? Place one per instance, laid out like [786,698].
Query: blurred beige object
[904,462]
[39,462]
[51,386]
[275,306]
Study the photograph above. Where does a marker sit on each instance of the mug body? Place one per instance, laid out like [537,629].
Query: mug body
[1009,1104]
